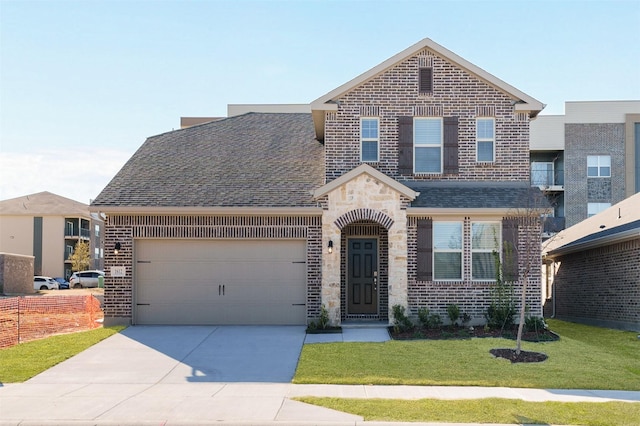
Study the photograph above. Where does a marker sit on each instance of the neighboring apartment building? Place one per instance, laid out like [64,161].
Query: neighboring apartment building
[48,226]
[587,159]
[395,188]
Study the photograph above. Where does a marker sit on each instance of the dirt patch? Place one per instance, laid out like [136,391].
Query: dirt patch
[514,357]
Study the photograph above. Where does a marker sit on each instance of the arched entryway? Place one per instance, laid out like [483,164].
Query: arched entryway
[364,271]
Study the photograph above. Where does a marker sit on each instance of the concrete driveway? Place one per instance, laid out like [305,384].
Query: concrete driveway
[186,354]
[170,375]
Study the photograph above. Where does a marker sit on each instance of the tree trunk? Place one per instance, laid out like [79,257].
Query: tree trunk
[523,307]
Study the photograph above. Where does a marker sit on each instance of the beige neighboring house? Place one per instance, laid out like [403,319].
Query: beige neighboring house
[593,268]
[48,226]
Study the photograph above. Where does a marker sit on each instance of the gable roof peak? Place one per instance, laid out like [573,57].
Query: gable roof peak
[328,102]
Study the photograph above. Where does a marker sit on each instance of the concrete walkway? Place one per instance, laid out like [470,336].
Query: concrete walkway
[222,375]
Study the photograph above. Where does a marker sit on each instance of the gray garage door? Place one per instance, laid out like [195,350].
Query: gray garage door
[220,282]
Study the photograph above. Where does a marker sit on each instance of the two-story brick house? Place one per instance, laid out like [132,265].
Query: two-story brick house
[395,189]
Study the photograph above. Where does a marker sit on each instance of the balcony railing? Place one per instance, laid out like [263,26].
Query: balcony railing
[547,177]
[551,225]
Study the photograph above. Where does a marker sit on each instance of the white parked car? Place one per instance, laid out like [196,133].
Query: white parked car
[44,283]
[85,279]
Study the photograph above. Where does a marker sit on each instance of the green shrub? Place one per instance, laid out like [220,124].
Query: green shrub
[454,313]
[534,324]
[323,321]
[401,321]
[500,316]
[429,320]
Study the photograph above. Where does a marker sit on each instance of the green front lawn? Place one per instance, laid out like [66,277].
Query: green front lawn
[490,410]
[584,358]
[21,362]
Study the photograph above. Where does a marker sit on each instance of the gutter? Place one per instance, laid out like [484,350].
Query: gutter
[228,211]
[595,243]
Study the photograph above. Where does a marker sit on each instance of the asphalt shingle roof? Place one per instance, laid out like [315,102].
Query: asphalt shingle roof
[476,195]
[255,159]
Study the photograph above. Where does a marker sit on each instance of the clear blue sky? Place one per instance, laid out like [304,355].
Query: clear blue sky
[83,83]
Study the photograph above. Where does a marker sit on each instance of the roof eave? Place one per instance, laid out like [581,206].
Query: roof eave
[222,211]
[594,243]
[365,169]
[455,211]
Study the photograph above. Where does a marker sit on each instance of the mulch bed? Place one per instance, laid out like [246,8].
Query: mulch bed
[524,356]
[457,332]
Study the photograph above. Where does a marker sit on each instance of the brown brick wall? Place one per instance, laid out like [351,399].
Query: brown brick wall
[473,297]
[118,292]
[601,286]
[456,92]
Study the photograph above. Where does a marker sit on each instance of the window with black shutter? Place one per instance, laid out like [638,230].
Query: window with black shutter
[405,145]
[510,249]
[425,80]
[424,260]
[450,145]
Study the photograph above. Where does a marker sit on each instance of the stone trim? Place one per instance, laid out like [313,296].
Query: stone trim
[364,214]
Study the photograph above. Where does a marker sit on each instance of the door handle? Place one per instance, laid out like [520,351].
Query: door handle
[223,289]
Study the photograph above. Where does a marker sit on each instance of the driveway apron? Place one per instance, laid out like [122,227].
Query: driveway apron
[186,354]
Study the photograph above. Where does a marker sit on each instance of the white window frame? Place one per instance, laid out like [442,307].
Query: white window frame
[498,238]
[417,145]
[600,164]
[492,139]
[595,208]
[445,250]
[369,139]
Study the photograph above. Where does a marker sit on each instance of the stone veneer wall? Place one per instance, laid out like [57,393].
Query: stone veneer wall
[118,292]
[582,140]
[456,92]
[363,198]
[472,297]
[600,286]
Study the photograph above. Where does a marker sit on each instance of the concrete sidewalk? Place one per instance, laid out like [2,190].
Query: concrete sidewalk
[222,375]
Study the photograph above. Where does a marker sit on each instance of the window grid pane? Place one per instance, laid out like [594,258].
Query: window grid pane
[428,160]
[447,251]
[485,138]
[369,139]
[485,240]
[427,131]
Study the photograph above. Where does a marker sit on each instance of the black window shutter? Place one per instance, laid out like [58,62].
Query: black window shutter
[425,80]
[450,145]
[405,145]
[425,250]
[510,249]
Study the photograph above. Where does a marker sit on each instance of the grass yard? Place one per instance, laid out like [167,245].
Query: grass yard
[21,362]
[585,357]
[492,410]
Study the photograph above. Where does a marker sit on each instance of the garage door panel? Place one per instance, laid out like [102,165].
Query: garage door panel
[220,282]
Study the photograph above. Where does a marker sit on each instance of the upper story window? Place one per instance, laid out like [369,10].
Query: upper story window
[485,140]
[425,80]
[599,166]
[447,250]
[369,139]
[485,240]
[427,145]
